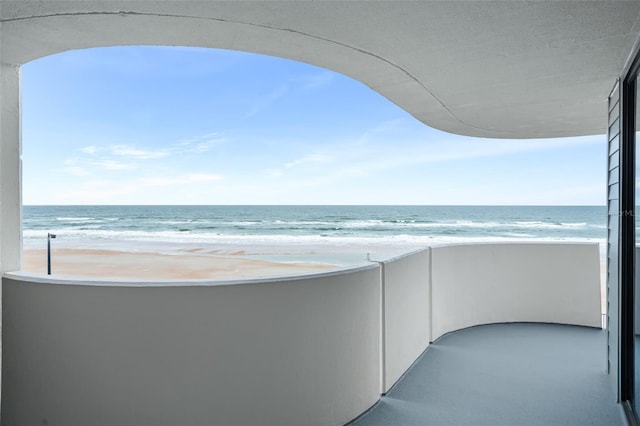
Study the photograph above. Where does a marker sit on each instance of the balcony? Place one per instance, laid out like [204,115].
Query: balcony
[316,349]
[526,374]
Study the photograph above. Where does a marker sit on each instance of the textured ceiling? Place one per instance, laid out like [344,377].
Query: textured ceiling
[507,69]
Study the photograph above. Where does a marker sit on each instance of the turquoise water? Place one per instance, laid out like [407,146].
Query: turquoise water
[332,228]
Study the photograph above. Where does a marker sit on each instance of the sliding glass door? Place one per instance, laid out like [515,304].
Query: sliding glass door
[634,259]
[624,268]
[629,245]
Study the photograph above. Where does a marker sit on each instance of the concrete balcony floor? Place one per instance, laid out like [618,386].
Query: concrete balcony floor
[505,374]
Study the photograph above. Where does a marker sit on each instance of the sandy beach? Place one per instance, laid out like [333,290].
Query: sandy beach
[189,264]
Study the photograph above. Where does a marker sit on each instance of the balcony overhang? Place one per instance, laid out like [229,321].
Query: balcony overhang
[487,69]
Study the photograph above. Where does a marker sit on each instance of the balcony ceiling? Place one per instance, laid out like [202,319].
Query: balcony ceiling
[491,69]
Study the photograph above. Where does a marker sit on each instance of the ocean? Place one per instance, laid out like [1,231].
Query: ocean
[280,232]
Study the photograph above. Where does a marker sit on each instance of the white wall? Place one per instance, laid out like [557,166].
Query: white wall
[309,350]
[10,170]
[510,282]
[406,313]
[301,351]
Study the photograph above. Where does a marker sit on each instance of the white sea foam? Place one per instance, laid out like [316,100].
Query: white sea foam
[275,229]
[274,244]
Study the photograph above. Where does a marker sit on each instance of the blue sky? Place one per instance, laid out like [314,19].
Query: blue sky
[172,125]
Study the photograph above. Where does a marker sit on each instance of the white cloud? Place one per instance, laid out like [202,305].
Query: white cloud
[73,167]
[274,173]
[89,150]
[262,102]
[199,144]
[74,170]
[156,181]
[201,177]
[319,80]
[207,145]
[306,160]
[96,184]
[135,153]
[111,165]
[195,139]
[314,158]
[381,158]
[178,180]
[381,155]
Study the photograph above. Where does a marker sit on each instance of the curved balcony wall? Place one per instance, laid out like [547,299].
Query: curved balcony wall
[307,350]
[477,284]
[301,351]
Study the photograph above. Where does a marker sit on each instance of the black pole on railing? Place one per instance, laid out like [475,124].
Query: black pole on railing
[49,237]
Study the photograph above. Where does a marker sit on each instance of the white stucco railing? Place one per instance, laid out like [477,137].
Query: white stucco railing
[301,351]
[406,313]
[476,284]
[314,350]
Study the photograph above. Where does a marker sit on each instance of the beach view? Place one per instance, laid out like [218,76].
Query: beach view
[166,163]
[319,213]
[197,242]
